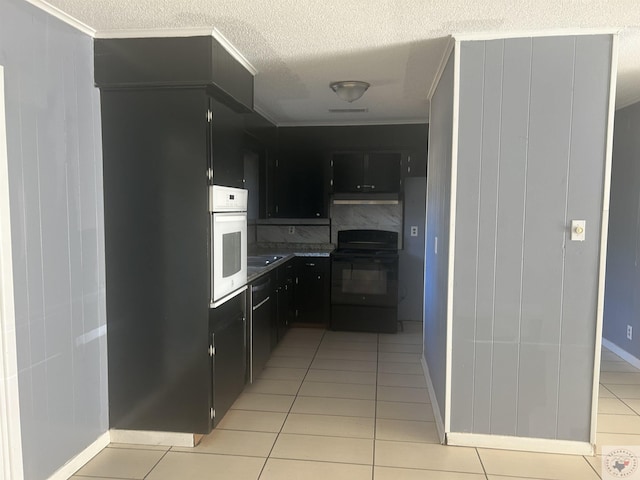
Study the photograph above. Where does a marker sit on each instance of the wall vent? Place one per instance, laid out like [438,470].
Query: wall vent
[348,110]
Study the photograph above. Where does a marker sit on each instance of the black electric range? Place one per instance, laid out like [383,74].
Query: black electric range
[364,281]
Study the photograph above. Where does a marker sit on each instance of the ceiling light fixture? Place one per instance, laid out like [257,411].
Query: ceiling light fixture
[349,90]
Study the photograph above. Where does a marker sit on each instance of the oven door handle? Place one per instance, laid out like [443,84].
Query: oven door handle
[368,260]
[226,218]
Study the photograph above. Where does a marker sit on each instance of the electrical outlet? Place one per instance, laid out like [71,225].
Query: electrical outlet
[629,332]
[292,230]
[414,231]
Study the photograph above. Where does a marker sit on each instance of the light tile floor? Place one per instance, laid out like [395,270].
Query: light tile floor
[352,406]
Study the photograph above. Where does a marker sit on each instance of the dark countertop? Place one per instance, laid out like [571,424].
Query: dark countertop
[253,273]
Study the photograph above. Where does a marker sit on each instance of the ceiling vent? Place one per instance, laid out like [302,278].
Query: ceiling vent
[348,110]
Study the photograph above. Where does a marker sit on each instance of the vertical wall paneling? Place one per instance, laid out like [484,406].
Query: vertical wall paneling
[464,305]
[584,202]
[531,158]
[10,434]
[510,234]
[437,233]
[55,188]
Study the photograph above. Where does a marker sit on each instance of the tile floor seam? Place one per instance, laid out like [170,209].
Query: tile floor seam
[592,467]
[156,464]
[375,412]
[484,470]
[295,397]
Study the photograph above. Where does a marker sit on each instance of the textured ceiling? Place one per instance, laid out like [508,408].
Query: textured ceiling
[300,46]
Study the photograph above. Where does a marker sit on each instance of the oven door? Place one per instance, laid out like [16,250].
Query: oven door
[229,253]
[370,281]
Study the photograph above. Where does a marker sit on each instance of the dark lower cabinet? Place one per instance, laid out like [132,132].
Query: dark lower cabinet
[312,290]
[228,355]
[285,314]
[262,312]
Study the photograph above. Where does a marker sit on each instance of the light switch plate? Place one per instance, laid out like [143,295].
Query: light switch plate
[578,228]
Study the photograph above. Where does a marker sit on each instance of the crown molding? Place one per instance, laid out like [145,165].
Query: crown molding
[557,32]
[64,17]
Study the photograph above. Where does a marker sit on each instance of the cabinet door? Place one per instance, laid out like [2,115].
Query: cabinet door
[286,311]
[348,172]
[382,172]
[227,145]
[312,290]
[301,185]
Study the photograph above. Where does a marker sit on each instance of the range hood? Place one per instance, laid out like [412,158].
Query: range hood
[365,198]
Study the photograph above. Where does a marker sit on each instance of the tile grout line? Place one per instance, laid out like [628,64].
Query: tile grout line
[592,467]
[375,410]
[290,407]
[156,464]
[486,475]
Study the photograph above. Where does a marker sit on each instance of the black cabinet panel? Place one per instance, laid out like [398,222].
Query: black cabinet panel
[382,172]
[227,145]
[157,258]
[348,172]
[312,290]
[285,315]
[302,185]
[173,61]
[228,354]
[262,313]
[366,172]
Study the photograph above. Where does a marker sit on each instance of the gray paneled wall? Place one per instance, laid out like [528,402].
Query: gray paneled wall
[437,233]
[622,297]
[55,187]
[532,136]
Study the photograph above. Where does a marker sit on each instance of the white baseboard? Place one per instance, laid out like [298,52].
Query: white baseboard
[503,442]
[434,400]
[141,437]
[626,356]
[77,462]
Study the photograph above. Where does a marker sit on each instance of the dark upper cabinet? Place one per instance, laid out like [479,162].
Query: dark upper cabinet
[227,145]
[174,61]
[301,185]
[370,172]
[348,172]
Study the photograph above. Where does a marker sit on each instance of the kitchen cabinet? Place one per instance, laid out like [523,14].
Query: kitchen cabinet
[165,122]
[285,314]
[262,308]
[174,62]
[372,172]
[301,185]
[312,290]
[228,355]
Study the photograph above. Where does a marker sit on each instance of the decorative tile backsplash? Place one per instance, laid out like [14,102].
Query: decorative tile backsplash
[375,217]
[293,234]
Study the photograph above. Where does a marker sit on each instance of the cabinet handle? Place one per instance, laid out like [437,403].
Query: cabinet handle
[261,303]
[372,187]
[357,186]
[310,264]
